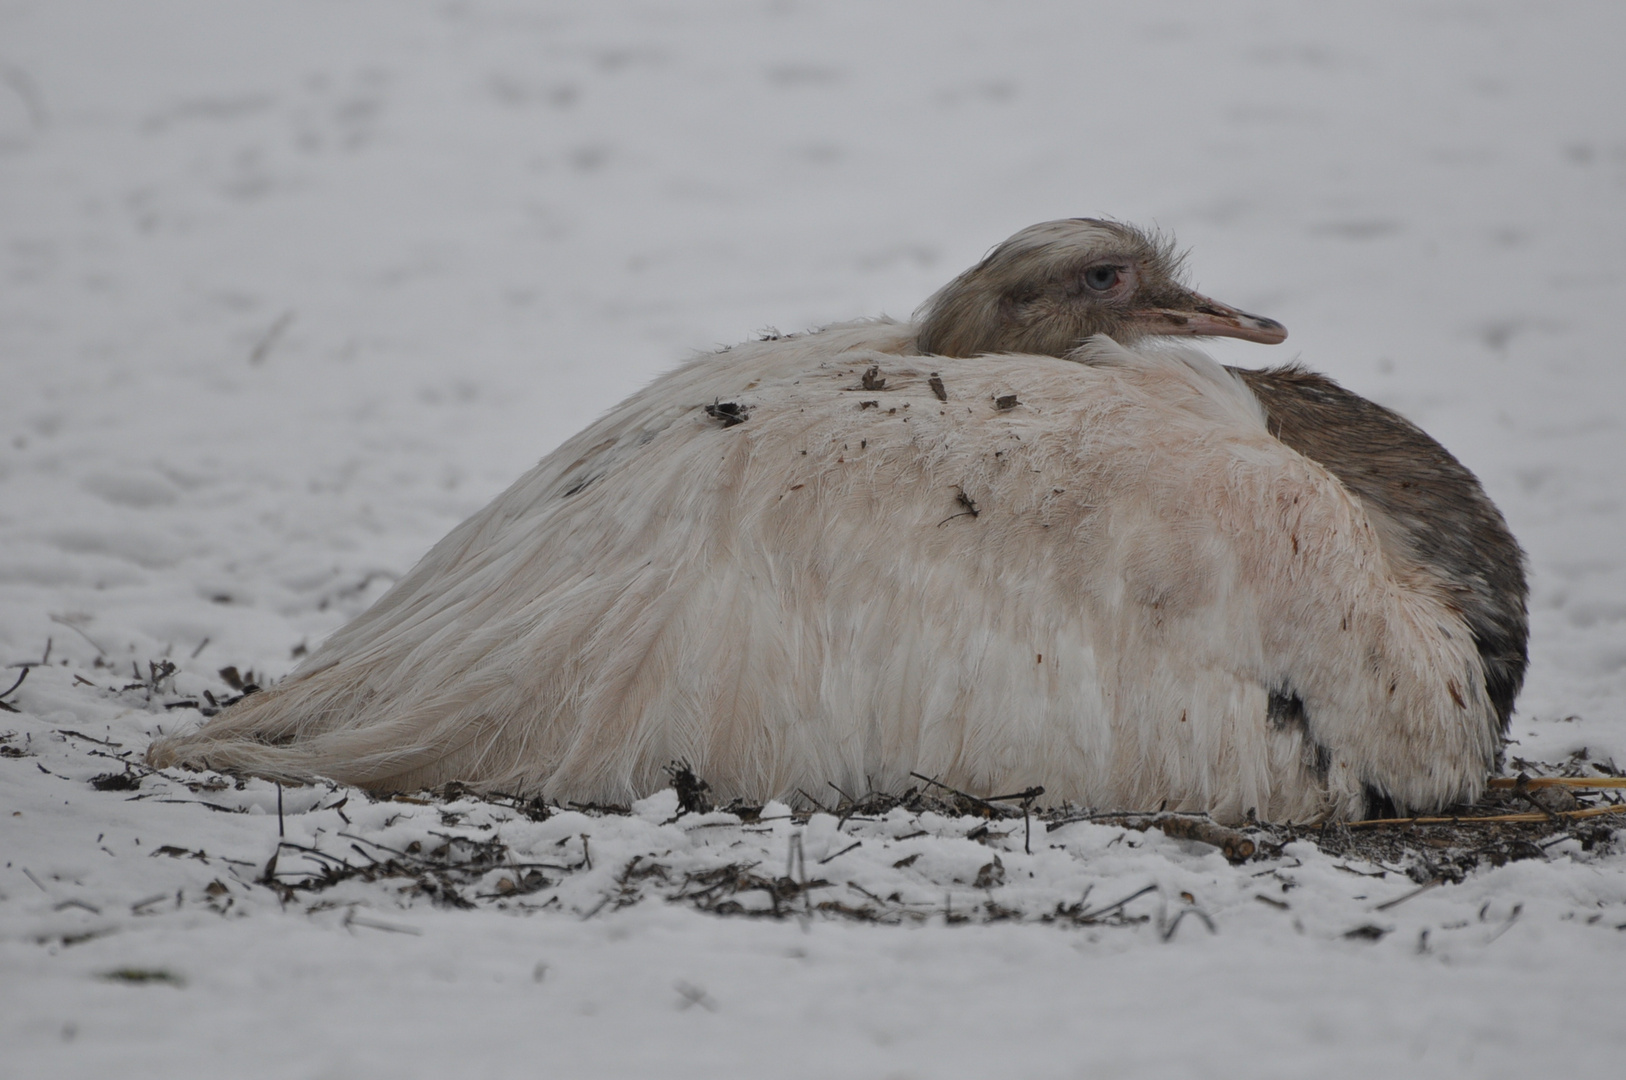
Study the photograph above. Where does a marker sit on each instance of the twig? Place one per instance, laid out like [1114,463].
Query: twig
[352,919]
[1236,846]
[1528,796]
[1189,909]
[1091,916]
[1535,782]
[15,685]
[954,791]
[216,807]
[853,885]
[1492,819]
[376,844]
[795,860]
[78,904]
[694,995]
[1025,797]
[124,759]
[268,340]
[971,509]
[812,800]
[1419,891]
[1118,817]
[22,84]
[1512,917]
[60,621]
[843,851]
[314,851]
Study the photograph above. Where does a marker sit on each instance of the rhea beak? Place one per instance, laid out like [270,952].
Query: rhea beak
[1198,316]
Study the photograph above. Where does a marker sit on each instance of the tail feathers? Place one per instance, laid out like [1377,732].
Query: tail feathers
[287,736]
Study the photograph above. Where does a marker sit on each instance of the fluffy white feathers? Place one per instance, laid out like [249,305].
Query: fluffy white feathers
[1120,587]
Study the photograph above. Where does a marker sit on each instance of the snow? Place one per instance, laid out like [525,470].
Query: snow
[286,291]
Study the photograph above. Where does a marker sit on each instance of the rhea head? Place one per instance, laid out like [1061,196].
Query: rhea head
[1052,286]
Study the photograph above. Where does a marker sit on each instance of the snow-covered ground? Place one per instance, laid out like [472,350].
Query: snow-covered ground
[287,290]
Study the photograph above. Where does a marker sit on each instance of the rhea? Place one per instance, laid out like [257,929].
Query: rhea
[1026,539]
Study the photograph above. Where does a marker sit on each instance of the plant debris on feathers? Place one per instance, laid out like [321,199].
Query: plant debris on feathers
[728,413]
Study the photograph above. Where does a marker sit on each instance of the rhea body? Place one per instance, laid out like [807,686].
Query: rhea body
[1019,541]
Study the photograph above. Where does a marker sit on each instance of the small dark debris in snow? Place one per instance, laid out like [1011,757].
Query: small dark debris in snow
[135,976]
[478,869]
[1456,844]
[936,383]
[243,682]
[80,904]
[992,875]
[1006,402]
[124,781]
[691,790]
[518,885]
[693,995]
[872,380]
[268,340]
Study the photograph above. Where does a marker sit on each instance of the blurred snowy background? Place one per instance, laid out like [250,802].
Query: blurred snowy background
[287,290]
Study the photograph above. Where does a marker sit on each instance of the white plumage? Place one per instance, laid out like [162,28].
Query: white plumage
[1089,573]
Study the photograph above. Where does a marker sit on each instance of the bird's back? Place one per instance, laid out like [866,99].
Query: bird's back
[1429,508]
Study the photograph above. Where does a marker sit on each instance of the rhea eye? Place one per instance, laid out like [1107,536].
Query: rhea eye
[1102,278]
